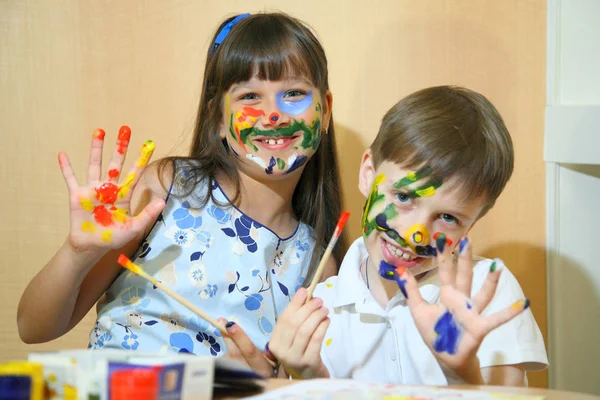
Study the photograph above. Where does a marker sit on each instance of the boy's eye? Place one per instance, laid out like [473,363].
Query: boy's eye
[403,198]
[293,94]
[450,219]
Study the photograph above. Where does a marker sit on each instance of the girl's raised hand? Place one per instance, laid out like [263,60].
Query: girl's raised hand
[100,210]
[454,328]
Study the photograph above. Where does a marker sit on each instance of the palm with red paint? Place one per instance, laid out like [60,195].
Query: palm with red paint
[100,210]
[454,328]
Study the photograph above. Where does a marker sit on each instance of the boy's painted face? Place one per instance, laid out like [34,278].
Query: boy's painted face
[406,211]
[274,125]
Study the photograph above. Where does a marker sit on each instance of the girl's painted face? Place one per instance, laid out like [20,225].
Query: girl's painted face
[274,126]
[406,211]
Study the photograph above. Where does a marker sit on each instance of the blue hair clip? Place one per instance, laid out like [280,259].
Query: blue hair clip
[225,31]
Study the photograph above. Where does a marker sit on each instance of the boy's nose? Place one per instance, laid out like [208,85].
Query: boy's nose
[417,235]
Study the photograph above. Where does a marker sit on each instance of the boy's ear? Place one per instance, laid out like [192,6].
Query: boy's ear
[366,173]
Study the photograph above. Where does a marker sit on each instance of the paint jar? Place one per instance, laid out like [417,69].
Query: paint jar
[21,380]
[15,387]
[134,383]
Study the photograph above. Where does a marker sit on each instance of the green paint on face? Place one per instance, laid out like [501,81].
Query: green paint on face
[280,164]
[421,191]
[374,198]
[311,134]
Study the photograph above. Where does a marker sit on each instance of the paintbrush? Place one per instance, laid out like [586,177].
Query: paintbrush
[336,234]
[125,262]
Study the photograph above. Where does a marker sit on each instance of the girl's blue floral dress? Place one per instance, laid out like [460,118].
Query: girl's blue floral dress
[222,261]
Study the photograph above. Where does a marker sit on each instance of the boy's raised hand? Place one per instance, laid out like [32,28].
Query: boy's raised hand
[454,328]
[100,210]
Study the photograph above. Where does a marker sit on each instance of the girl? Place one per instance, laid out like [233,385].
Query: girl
[236,227]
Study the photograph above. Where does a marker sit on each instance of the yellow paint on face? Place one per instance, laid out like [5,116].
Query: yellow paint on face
[88,226]
[146,153]
[86,203]
[120,215]
[417,235]
[426,192]
[328,342]
[106,236]
[124,190]
[379,179]
[412,176]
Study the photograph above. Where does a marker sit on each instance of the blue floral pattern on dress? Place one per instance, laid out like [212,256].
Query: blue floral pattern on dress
[216,257]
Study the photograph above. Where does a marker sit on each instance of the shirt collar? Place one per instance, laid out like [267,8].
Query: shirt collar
[351,288]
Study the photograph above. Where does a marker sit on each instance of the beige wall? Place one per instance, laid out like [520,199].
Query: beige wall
[67,67]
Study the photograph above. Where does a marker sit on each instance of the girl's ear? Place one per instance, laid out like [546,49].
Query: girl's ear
[327,107]
[222,128]
[366,173]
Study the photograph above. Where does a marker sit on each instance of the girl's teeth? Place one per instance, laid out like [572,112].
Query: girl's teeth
[280,141]
[271,141]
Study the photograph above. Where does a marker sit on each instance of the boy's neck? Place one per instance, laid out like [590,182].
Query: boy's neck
[267,202]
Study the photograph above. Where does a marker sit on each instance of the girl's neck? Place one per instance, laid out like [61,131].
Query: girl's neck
[268,202]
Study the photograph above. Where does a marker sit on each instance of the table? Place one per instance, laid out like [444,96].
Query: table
[549,394]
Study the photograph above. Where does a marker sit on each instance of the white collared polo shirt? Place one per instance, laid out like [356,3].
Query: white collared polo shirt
[369,343]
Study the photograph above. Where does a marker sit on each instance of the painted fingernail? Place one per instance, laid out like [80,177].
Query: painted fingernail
[440,243]
[402,285]
[229,324]
[469,306]
[462,246]
[493,266]
[524,304]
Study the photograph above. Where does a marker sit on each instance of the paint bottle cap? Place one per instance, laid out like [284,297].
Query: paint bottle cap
[15,387]
[134,383]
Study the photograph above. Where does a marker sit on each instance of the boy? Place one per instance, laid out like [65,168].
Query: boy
[400,311]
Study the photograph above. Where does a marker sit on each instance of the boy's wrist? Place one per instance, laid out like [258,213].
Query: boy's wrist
[470,373]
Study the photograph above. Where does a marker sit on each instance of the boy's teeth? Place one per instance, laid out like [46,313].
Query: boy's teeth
[399,253]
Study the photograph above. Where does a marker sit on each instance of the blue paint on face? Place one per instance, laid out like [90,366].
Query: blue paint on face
[448,334]
[298,162]
[388,271]
[293,107]
[269,169]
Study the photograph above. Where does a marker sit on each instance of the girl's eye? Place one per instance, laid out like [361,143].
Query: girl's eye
[449,219]
[293,94]
[249,96]
[403,198]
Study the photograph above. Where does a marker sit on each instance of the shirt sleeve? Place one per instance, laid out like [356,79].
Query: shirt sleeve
[519,341]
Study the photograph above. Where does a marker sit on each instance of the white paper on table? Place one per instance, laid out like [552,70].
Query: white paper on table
[334,389]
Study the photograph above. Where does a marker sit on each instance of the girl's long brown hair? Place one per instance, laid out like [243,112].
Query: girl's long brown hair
[273,46]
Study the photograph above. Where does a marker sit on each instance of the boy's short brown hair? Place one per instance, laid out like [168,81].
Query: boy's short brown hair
[456,132]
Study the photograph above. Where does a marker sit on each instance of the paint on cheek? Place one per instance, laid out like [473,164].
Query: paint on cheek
[106,236]
[123,139]
[269,169]
[294,107]
[257,160]
[393,273]
[368,225]
[113,173]
[107,193]
[417,235]
[102,215]
[296,162]
[448,334]
[87,226]
[280,164]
